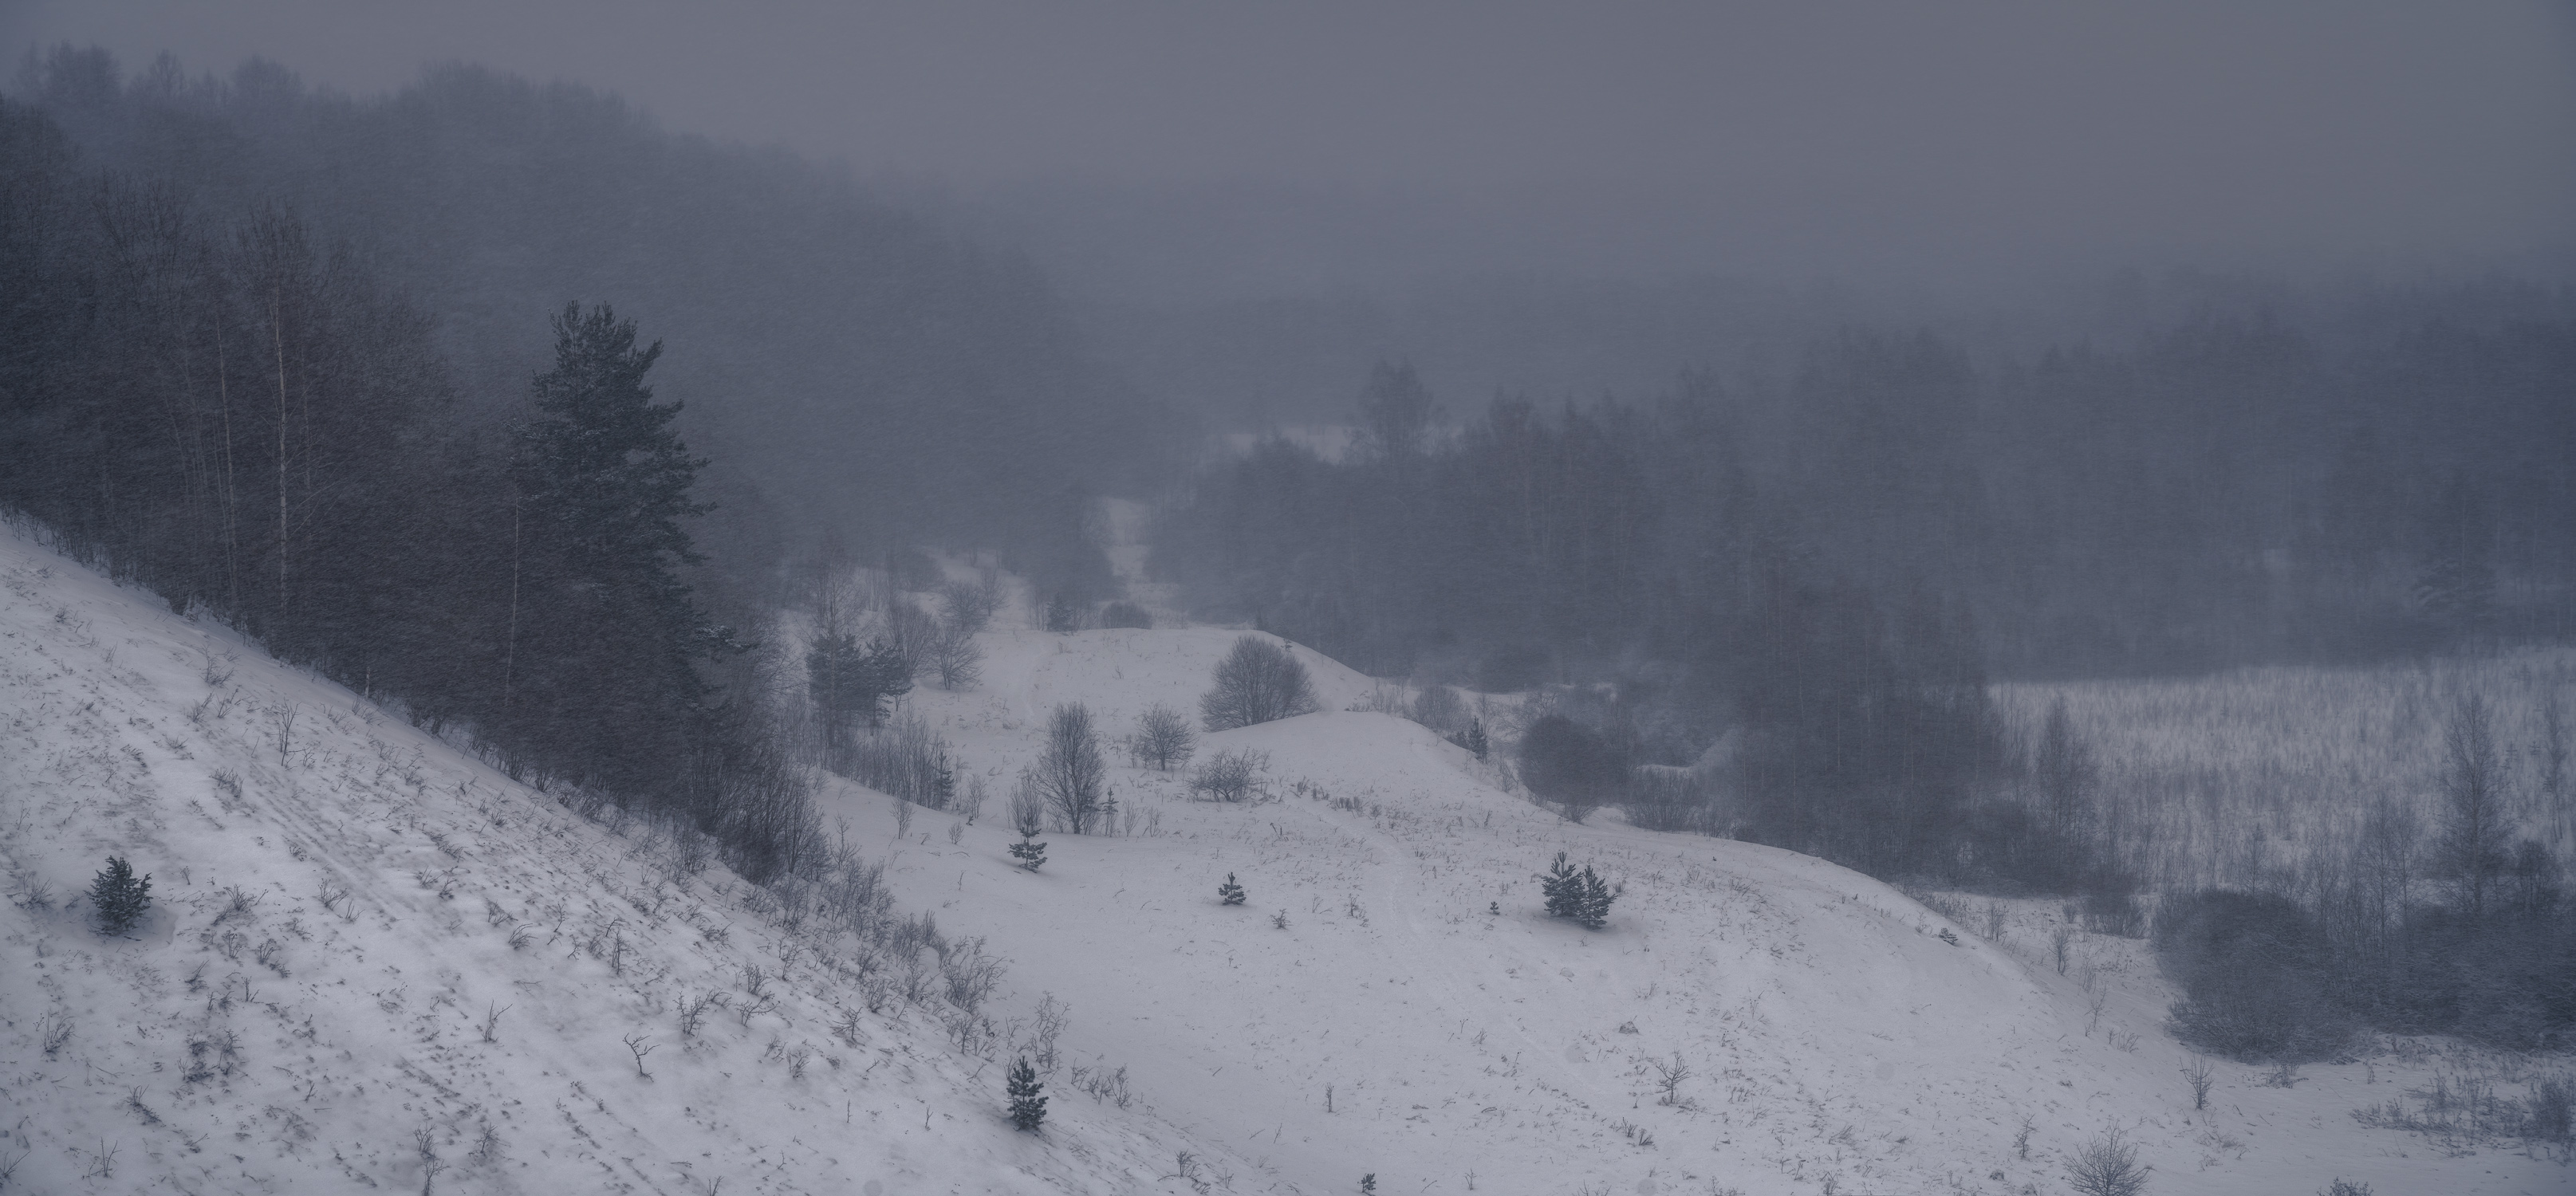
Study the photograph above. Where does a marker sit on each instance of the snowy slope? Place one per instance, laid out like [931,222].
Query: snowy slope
[252,1037]
[1835,1041]
[270,1042]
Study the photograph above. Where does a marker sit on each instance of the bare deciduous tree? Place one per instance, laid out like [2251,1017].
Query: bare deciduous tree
[2477,835]
[1256,683]
[1163,739]
[1071,774]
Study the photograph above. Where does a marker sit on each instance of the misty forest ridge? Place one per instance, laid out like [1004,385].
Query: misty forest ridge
[545,651]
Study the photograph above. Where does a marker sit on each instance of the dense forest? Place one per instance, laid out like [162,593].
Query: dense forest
[348,375]
[848,365]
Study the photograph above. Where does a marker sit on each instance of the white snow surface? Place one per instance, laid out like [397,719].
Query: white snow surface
[1418,1018]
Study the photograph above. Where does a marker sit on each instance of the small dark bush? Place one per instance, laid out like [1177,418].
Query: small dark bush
[2254,973]
[1668,799]
[1230,893]
[1572,765]
[118,897]
[1125,614]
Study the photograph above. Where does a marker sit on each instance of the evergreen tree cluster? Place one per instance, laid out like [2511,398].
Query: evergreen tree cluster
[1577,894]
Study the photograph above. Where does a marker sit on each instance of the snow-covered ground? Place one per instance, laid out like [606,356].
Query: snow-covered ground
[1416,1017]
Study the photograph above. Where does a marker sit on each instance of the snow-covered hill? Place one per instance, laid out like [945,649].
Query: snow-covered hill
[375,963]
[1415,1018]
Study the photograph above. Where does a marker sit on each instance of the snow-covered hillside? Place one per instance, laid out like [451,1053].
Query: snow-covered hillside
[1416,1017]
[1834,1041]
[376,964]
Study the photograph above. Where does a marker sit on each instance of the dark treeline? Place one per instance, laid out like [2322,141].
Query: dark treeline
[249,422]
[875,375]
[1835,565]
[270,353]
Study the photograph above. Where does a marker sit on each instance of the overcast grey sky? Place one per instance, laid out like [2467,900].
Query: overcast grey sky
[1866,142]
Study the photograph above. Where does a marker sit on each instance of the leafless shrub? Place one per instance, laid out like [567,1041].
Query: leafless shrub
[430,1164]
[2200,1076]
[640,1046]
[1108,1087]
[1045,1026]
[492,1020]
[1669,1075]
[1669,799]
[2058,939]
[969,606]
[904,758]
[2107,1166]
[693,1011]
[971,974]
[281,727]
[1229,776]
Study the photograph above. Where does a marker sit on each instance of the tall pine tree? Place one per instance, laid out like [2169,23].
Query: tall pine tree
[600,671]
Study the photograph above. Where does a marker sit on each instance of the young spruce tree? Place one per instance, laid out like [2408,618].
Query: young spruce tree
[1230,893]
[119,898]
[1028,1099]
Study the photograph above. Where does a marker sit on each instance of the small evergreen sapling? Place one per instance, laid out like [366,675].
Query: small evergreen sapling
[1597,896]
[1368,1184]
[1230,892]
[1577,894]
[120,899]
[1473,739]
[1028,1100]
[1029,851]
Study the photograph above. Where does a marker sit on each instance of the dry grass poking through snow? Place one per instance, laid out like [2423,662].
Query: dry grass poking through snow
[375,963]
